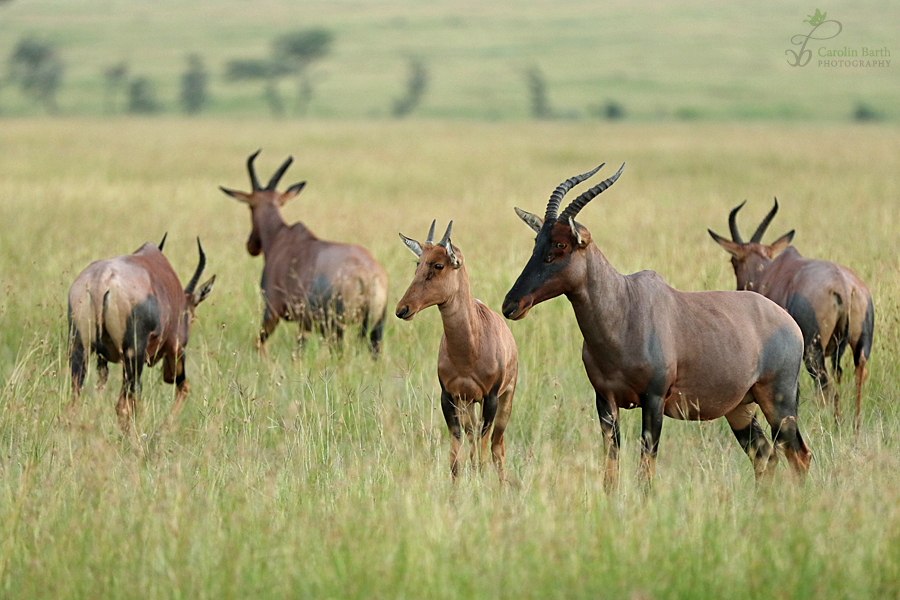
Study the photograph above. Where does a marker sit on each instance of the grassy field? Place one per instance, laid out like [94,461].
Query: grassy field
[701,59]
[320,473]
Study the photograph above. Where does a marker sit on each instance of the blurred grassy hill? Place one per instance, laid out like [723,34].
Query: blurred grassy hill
[701,59]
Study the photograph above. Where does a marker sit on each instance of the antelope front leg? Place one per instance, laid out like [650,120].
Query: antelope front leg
[609,424]
[452,418]
[652,418]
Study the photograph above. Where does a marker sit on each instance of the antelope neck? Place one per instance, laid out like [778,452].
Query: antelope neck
[601,302]
[459,314]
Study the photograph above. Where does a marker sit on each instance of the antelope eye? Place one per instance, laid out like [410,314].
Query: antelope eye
[439,266]
[562,246]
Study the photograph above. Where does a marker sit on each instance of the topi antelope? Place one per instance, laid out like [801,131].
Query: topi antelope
[132,309]
[832,306]
[477,360]
[324,285]
[686,355]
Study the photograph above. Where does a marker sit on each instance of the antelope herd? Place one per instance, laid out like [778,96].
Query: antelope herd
[685,355]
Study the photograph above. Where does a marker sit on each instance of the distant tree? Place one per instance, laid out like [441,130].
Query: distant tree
[416,85]
[142,97]
[291,55]
[194,85]
[537,91]
[114,77]
[864,112]
[294,52]
[254,69]
[610,110]
[38,69]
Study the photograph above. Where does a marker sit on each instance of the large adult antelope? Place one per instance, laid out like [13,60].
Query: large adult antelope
[830,303]
[323,285]
[686,355]
[477,359]
[132,309]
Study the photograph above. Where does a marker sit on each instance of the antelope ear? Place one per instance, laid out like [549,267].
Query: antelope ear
[413,245]
[733,248]
[580,240]
[240,196]
[454,259]
[781,244]
[200,294]
[291,192]
[532,220]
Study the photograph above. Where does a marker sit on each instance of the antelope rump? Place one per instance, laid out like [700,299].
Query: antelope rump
[132,309]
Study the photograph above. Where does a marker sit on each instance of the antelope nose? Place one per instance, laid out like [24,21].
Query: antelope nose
[509,308]
[402,312]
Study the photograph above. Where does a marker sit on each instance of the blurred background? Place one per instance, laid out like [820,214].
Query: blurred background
[499,60]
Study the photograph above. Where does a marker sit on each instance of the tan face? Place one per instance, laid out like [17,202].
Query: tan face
[436,280]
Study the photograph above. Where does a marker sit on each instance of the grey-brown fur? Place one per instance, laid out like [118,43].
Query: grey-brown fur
[830,302]
[132,309]
[686,355]
[321,285]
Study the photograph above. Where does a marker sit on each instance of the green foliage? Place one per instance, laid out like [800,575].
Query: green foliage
[537,93]
[194,85]
[142,97]
[115,79]
[38,69]
[299,49]
[864,112]
[416,86]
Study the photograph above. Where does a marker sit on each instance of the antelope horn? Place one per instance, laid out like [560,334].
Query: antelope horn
[277,176]
[193,282]
[163,242]
[253,180]
[581,201]
[560,191]
[445,241]
[430,239]
[765,223]
[732,223]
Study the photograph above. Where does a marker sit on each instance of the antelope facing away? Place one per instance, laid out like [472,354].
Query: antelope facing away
[686,355]
[322,285]
[832,306]
[132,309]
[477,360]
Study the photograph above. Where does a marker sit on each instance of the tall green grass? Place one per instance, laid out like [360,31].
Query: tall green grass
[322,473]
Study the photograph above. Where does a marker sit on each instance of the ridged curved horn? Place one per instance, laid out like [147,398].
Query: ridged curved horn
[200,266]
[581,201]
[732,223]
[277,176]
[430,238]
[757,237]
[445,241]
[560,191]
[253,180]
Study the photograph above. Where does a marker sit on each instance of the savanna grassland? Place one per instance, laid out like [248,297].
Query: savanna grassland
[321,473]
[694,59]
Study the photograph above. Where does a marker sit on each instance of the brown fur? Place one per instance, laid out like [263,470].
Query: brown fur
[321,285]
[477,359]
[686,355]
[107,296]
[836,295]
